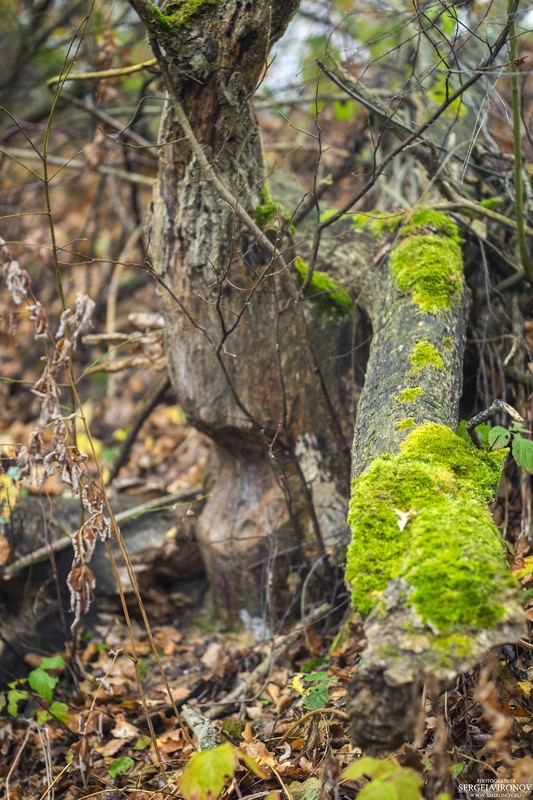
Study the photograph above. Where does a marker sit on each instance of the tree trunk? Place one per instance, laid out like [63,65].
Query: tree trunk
[267,379]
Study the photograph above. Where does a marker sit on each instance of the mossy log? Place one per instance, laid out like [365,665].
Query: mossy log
[426,564]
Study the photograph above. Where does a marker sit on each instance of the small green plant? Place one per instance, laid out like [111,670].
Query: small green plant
[498,437]
[42,683]
[207,771]
[388,781]
[120,766]
[317,694]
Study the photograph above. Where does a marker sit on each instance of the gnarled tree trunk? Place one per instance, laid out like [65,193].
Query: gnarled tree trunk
[266,378]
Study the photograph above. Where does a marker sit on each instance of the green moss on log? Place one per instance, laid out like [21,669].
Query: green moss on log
[427,262]
[408,395]
[330,299]
[405,424]
[378,222]
[422,516]
[424,355]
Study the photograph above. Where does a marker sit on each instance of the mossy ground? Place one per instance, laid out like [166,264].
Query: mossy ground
[449,550]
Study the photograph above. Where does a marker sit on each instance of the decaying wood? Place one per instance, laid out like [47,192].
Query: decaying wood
[159,536]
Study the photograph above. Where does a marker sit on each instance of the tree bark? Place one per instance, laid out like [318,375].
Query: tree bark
[265,377]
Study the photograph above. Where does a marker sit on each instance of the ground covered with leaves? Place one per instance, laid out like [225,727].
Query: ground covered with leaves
[187,709]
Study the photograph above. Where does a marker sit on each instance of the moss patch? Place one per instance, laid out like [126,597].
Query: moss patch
[405,424]
[268,214]
[378,221]
[422,516]
[329,298]
[178,14]
[427,220]
[408,395]
[424,355]
[427,262]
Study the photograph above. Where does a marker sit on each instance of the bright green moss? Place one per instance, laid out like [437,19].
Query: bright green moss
[422,516]
[430,269]
[408,395]
[266,214]
[492,203]
[427,220]
[378,221]
[427,262]
[424,355]
[179,13]
[405,424]
[329,298]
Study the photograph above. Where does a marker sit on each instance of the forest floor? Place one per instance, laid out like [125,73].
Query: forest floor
[118,710]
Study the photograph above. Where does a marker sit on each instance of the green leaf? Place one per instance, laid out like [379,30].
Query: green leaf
[456,769]
[499,437]
[14,696]
[43,683]
[252,765]
[52,662]
[43,716]
[517,427]
[120,766]
[203,777]
[317,697]
[389,782]
[523,452]
[317,676]
[371,767]
[142,743]
[379,790]
[407,783]
[59,711]
[483,432]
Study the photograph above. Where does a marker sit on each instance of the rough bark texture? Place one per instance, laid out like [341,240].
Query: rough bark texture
[399,325]
[253,368]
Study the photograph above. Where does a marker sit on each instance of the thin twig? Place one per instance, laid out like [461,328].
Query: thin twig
[103,74]
[495,408]
[262,669]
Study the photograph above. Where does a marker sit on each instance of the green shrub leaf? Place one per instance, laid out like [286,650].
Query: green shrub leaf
[523,452]
[43,683]
[499,437]
[14,696]
[120,766]
[203,777]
